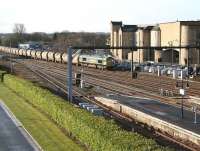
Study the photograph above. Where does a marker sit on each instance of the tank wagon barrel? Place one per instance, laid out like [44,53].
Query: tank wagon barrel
[51,56]
[58,57]
[64,58]
[24,51]
[98,61]
[28,53]
[20,52]
[44,55]
[39,55]
[33,54]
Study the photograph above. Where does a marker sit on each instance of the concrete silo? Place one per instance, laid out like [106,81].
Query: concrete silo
[114,36]
[185,40]
[140,43]
[156,42]
[143,35]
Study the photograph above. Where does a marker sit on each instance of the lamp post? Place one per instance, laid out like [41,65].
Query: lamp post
[69,74]
[182,92]
[11,70]
[188,64]
[132,63]
[194,108]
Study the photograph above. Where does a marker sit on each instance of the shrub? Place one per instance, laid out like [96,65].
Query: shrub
[95,132]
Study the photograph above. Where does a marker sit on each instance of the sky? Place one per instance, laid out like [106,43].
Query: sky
[91,15]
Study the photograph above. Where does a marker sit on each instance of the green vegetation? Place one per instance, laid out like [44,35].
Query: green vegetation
[46,133]
[2,72]
[97,133]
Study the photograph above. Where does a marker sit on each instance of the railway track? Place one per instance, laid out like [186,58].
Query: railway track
[113,84]
[52,77]
[149,83]
[57,77]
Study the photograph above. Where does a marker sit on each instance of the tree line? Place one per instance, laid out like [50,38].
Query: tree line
[57,40]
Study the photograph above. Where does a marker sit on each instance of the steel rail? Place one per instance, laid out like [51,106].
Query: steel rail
[119,116]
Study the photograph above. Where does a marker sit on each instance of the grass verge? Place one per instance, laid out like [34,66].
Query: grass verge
[46,133]
[96,133]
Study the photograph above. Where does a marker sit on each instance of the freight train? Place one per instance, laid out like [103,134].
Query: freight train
[93,60]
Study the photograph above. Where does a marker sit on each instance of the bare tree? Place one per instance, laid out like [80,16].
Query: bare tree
[19,29]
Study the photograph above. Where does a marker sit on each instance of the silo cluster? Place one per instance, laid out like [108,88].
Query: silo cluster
[156,42]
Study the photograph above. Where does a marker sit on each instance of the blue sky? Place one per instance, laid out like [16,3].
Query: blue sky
[91,15]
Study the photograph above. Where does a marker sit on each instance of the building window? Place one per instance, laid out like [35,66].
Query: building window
[99,61]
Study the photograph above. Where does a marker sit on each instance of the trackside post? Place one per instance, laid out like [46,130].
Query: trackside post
[69,74]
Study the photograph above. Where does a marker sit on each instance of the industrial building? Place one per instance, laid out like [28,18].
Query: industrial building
[178,33]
